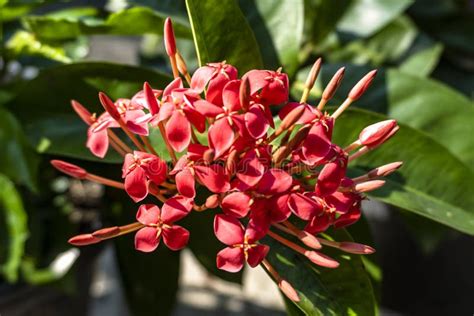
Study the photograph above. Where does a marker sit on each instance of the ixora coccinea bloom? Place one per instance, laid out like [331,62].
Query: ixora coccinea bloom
[259,176]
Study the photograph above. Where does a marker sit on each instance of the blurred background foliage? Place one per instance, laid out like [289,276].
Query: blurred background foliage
[424,51]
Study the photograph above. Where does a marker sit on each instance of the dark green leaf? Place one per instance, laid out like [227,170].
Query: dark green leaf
[432,182]
[221,33]
[133,21]
[43,104]
[345,290]
[365,17]
[278,27]
[16,227]
[423,62]
[18,161]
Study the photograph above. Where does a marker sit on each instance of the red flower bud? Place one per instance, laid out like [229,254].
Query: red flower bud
[288,290]
[212,201]
[170,41]
[69,169]
[362,85]
[150,99]
[84,240]
[355,248]
[333,84]
[375,134]
[106,232]
[313,74]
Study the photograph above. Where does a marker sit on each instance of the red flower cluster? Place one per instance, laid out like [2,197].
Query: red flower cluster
[258,173]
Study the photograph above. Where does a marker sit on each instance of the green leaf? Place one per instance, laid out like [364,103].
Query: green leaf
[322,16]
[424,104]
[278,27]
[387,45]
[221,32]
[423,62]
[432,182]
[25,43]
[345,290]
[16,227]
[18,161]
[365,17]
[43,104]
[133,21]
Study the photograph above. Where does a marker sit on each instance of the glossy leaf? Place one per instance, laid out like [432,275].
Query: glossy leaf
[133,21]
[432,182]
[365,17]
[278,27]
[50,122]
[423,62]
[16,228]
[345,290]
[18,161]
[221,32]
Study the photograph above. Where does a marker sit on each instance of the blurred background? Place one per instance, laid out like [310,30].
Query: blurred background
[54,51]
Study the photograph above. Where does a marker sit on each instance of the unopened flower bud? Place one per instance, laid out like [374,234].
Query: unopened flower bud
[69,169]
[385,170]
[372,134]
[368,186]
[182,68]
[208,155]
[361,86]
[288,290]
[82,112]
[290,119]
[309,240]
[212,201]
[84,240]
[313,74]
[170,41]
[321,260]
[109,106]
[355,248]
[333,84]
[244,92]
[106,232]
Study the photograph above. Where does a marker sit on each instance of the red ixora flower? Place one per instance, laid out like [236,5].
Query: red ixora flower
[160,223]
[243,244]
[258,180]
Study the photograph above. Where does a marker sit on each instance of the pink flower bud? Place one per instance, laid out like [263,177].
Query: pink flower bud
[212,201]
[368,186]
[355,248]
[313,74]
[321,260]
[288,290]
[375,134]
[333,84]
[244,93]
[83,240]
[360,87]
[85,115]
[109,106]
[309,240]
[69,169]
[106,232]
[385,170]
[170,41]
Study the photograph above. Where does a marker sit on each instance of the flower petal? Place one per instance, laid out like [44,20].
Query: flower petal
[185,183]
[236,204]
[230,259]
[175,209]
[303,206]
[330,177]
[257,254]
[178,131]
[148,214]
[136,184]
[228,229]
[230,95]
[201,77]
[221,136]
[147,239]
[175,237]
[213,177]
[175,84]
[98,142]
[275,181]
[207,108]
[256,122]
[250,170]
